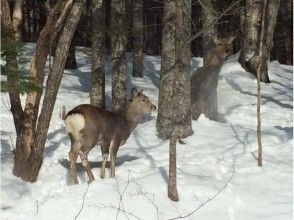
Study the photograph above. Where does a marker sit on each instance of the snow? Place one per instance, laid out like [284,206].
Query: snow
[218,176]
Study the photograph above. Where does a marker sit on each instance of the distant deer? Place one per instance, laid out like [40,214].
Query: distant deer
[88,125]
[204,80]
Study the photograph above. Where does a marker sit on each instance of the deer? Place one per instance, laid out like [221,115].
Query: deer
[204,80]
[88,126]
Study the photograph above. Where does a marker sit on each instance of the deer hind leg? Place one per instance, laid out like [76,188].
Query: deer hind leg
[210,108]
[105,153]
[85,162]
[73,155]
[113,152]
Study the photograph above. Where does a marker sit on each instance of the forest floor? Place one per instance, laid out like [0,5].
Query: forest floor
[218,176]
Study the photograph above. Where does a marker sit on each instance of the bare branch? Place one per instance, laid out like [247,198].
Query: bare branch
[209,198]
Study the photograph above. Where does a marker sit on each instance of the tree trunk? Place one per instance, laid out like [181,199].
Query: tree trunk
[119,64]
[52,86]
[71,62]
[172,180]
[283,38]
[97,93]
[174,93]
[209,30]
[17,19]
[249,49]
[270,24]
[27,160]
[138,56]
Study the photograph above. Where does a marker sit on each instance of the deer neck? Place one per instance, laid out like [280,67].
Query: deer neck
[216,59]
[132,116]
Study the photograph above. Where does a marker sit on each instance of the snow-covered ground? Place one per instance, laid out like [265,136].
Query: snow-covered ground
[218,176]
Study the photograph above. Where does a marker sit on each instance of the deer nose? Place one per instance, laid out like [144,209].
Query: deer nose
[153,108]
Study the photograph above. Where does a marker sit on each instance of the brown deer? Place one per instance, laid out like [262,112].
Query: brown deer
[204,80]
[88,125]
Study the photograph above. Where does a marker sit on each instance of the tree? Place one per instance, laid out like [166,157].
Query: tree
[97,93]
[138,27]
[283,37]
[71,62]
[17,18]
[174,116]
[209,30]
[32,130]
[249,56]
[174,76]
[118,46]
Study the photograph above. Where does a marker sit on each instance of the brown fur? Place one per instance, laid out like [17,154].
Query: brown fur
[105,128]
[204,80]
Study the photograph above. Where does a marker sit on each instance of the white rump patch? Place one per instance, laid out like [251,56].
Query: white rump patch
[74,124]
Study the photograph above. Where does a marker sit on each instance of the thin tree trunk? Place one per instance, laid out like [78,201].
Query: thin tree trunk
[138,26]
[119,63]
[17,18]
[260,64]
[97,93]
[209,30]
[172,180]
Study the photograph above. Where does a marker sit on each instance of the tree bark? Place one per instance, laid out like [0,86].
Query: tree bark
[209,30]
[17,18]
[97,93]
[283,37]
[172,180]
[71,62]
[174,92]
[138,26]
[249,49]
[12,66]
[26,160]
[119,63]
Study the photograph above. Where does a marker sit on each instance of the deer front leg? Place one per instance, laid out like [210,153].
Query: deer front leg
[113,152]
[73,166]
[105,153]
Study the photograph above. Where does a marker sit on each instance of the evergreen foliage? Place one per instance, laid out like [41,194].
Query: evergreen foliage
[11,60]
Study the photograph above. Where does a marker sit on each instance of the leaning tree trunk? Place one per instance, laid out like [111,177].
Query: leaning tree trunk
[209,30]
[249,49]
[119,63]
[31,140]
[97,93]
[53,83]
[138,26]
[174,92]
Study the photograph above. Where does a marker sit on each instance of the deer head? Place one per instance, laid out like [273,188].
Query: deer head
[223,46]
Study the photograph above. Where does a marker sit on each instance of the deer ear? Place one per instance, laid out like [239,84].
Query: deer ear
[134,92]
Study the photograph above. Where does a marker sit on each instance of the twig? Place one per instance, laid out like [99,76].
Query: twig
[119,209]
[77,215]
[121,204]
[209,199]
[144,194]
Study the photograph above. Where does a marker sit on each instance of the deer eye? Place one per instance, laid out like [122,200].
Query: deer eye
[143,100]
